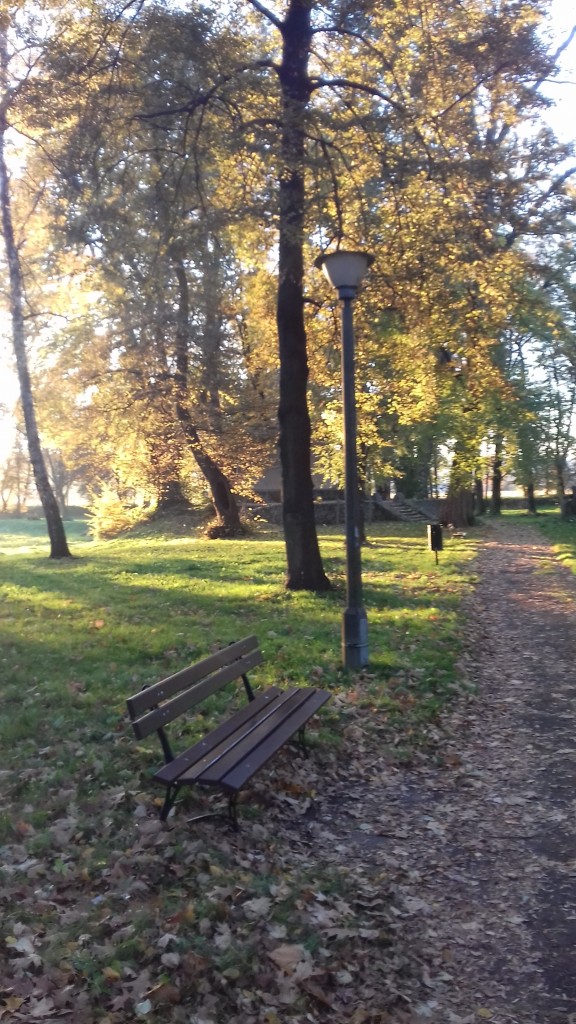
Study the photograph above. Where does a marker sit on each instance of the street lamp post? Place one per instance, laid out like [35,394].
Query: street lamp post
[345,271]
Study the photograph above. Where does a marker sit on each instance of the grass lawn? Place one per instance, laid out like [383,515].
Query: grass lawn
[131,921]
[562,536]
[561,533]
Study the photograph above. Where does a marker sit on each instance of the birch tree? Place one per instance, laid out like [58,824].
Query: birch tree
[11,80]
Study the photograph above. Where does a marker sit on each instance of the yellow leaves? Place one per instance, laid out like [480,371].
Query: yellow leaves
[190,913]
[111,974]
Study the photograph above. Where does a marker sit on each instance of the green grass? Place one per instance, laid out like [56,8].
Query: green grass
[79,636]
[561,534]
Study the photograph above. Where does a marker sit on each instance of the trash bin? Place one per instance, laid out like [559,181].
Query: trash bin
[435,537]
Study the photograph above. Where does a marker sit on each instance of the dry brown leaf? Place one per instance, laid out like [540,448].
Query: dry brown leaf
[287,957]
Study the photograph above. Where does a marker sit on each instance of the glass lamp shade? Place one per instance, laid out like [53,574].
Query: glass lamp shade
[344,269]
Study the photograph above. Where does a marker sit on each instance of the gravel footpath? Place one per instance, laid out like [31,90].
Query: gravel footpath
[480,847]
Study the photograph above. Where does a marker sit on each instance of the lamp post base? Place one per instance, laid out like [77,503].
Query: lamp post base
[354,638]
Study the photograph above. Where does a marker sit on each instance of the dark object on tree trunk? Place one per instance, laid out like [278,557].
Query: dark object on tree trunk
[231,754]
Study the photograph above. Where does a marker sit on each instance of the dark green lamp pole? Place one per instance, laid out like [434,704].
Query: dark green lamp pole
[345,271]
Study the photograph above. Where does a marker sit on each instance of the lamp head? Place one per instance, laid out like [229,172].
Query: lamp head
[345,270]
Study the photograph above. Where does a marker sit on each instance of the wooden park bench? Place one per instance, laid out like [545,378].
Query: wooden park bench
[232,753]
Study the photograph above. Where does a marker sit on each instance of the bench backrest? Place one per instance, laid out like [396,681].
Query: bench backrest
[161,703]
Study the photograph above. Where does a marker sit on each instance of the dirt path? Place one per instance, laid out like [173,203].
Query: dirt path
[481,848]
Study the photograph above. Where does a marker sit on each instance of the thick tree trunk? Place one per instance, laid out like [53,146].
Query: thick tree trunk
[54,524]
[459,506]
[561,486]
[496,496]
[165,456]
[225,504]
[171,498]
[304,564]
[480,503]
[531,499]
[459,509]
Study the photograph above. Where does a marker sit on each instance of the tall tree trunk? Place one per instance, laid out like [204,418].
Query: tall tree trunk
[170,498]
[304,564]
[54,524]
[561,486]
[531,499]
[164,445]
[225,504]
[362,494]
[459,505]
[480,503]
[496,497]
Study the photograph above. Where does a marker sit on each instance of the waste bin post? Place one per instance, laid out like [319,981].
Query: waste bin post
[435,541]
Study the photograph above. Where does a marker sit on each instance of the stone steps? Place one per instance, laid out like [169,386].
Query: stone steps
[402,510]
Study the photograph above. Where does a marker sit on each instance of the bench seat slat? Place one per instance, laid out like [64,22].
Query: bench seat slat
[241,739]
[248,757]
[247,741]
[172,771]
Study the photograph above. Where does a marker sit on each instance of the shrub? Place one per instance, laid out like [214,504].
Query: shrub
[109,516]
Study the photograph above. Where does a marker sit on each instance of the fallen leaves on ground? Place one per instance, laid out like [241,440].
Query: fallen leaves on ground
[382,884]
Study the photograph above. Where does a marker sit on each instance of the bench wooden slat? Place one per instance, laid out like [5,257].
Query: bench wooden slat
[245,743]
[172,771]
[189,698]
[240,775]
[236,767]
[242,739]
[166,688]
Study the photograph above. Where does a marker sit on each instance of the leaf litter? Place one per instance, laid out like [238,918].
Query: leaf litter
[363,887]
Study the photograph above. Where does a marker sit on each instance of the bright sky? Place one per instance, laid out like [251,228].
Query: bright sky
[562,118]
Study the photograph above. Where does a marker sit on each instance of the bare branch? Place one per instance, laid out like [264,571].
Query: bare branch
[203,99]
[267,14]
[347,83]
[557,183]
[564,46]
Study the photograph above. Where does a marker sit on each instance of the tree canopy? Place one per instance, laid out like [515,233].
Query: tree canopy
[175,170]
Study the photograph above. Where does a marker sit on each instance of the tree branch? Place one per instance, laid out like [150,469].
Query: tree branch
[203,99]
[564,46]
[347,83]
[267,14]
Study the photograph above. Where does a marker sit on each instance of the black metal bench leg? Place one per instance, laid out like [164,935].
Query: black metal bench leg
[302,741]
[169,799]
[233,811]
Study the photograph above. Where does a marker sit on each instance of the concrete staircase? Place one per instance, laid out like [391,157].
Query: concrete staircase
[402,509]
